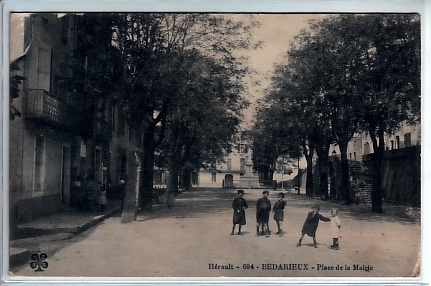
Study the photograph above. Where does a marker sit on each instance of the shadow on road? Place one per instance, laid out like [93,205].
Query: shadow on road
[194,203]
[391,213]
[201,201]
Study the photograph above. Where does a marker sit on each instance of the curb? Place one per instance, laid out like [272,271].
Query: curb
[19,256]
[81,228]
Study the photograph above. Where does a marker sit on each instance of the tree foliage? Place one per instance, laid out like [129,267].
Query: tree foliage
[351,73]
[202,127]
[159,52]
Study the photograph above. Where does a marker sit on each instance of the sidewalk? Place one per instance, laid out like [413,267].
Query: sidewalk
[38,234]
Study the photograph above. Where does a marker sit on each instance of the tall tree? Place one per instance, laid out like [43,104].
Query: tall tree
[357,72]
[274,135]
[204,124]
[390,82]
[154,51]
[372,80]
[295,90]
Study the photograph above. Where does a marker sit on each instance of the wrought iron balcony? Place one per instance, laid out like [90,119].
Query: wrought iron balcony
[40,105]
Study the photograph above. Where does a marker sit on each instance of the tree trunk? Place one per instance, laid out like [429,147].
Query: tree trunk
[345,178]
[174,172]
[132,188]
[377,158]
[332,175]
[186,181]
[146,190]
[309,184]
[323,174]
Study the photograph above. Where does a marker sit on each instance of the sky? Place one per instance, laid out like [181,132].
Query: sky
[276,31]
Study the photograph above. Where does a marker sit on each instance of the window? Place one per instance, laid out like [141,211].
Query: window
[39,164]
[229,164]
[398,142]
[243,148]
[43,67]
[407,139]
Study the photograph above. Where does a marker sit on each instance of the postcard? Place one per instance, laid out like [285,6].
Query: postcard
[217,146]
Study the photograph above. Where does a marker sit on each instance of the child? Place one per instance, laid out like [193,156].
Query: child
[239,205]
[263,208]
[278,210]
[311,223]
[335,228]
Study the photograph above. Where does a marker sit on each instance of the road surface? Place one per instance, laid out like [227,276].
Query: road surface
[193,240]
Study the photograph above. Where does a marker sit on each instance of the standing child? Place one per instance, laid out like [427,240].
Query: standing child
[278,210]
[239,205]
[311,223]
[263,208]
[335,228]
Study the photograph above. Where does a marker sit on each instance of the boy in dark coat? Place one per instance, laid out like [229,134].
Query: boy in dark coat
[263,208]
[278,210]
[311,223]
[239,205]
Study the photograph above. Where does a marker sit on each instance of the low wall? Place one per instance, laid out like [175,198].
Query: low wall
[401,176]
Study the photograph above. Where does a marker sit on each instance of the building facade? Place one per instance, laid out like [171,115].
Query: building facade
[65,127]
[234,171]
[42,138]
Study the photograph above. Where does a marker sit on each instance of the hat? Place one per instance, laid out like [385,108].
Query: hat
[265,192]
[240,192]
[281,194]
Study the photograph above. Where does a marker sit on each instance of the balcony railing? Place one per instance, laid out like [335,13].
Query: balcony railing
[40,105]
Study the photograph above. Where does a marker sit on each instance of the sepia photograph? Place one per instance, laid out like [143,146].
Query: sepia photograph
[173,145]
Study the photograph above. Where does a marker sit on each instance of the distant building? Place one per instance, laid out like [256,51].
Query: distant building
[361,144]
[400,166]
[234,171]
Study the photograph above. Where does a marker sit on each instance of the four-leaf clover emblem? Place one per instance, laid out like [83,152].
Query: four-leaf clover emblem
[38,261]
